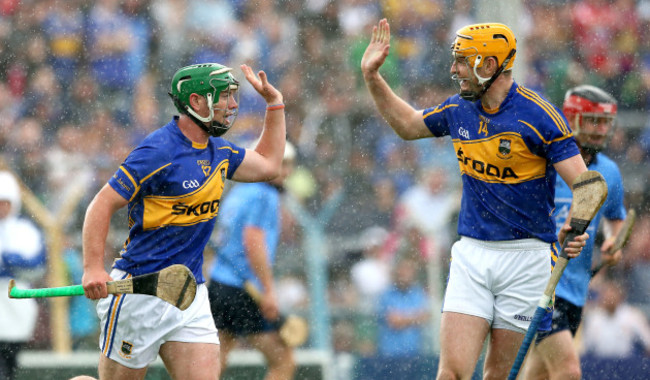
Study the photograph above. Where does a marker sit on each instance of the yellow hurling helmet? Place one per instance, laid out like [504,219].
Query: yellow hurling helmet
[479,41]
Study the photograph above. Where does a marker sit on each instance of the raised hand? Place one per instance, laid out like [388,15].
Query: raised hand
[261,84]
[377,49]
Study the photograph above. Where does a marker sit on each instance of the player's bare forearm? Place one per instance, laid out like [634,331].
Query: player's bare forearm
[269,301]
[265,161]
[256,253]
[406,121]
[94,233]
[273,136]
[570,168]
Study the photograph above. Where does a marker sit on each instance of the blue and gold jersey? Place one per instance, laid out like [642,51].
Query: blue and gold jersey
[506,159]
[174,187]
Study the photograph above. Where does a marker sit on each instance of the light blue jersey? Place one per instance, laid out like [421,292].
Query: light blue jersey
[405,341]
[506,159]
[574,282]
[247,205]
[174,188]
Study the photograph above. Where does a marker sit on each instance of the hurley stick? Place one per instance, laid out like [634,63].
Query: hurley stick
[174,284]
[589,193]
[293,329]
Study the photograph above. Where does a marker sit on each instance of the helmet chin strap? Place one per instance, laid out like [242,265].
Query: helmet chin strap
[484,82]
[215,129]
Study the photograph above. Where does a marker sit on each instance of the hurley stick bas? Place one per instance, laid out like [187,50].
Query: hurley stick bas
[589,193]
[174,284]
[293,329]
[621,238]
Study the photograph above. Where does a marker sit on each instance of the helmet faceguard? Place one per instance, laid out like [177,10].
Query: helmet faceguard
[476,43]
[214,82]
[592,115]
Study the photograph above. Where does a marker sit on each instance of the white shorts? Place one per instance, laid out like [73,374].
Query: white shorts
[501,281]
[134,326]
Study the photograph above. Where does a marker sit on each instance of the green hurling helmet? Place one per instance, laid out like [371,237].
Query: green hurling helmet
[208,80]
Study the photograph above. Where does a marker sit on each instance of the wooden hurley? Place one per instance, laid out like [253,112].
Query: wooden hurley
[174,284]
[589,194]
[621,238]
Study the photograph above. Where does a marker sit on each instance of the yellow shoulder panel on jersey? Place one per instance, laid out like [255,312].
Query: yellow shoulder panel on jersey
[502,158]
[198,206]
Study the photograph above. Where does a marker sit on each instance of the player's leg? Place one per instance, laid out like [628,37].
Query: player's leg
[191,349]
[519,279]
[461,342]
[467,310]
[559,358]
[554,356]
[111,370]
[535,367]
[279,357]
[501,353]
[188,361]
[231,308]
[227,343]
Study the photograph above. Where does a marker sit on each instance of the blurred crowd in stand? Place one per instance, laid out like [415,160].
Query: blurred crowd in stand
[83,82]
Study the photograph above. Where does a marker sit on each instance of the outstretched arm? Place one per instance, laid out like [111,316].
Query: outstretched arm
[405,120]
[264,162]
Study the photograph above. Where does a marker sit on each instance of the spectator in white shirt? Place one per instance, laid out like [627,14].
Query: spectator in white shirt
[614,328]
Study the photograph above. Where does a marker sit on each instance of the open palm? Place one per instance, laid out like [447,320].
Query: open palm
[261,84]
[378,48]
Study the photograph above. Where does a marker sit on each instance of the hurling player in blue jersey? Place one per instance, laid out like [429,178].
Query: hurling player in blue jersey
[172,184]
[591,113]
[248,232]
[510,143]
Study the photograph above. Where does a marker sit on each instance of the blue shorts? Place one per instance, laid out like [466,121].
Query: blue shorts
[236,312]
[566,316]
